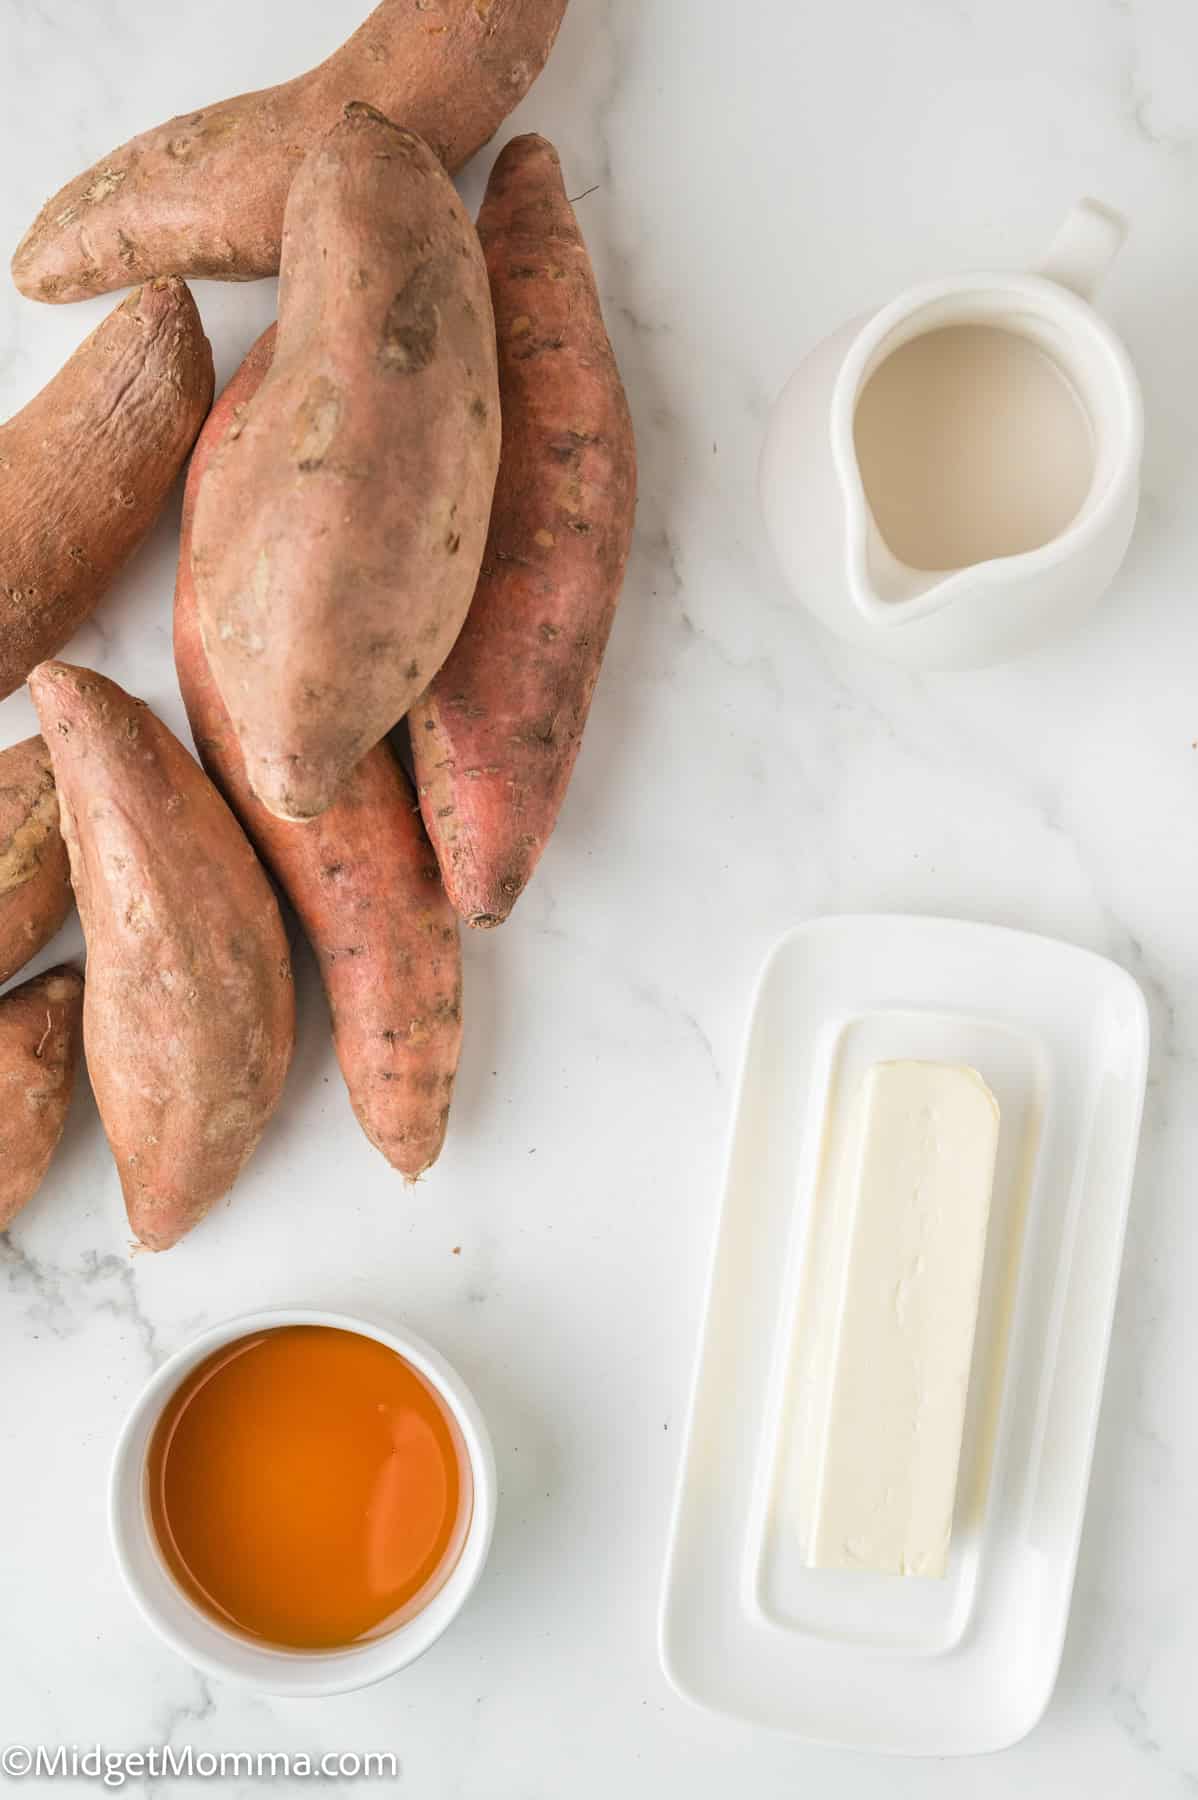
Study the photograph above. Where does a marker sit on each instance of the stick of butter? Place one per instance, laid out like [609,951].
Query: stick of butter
[896,1362]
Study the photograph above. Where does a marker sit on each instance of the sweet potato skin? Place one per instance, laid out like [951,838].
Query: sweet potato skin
[86,467]
[496,735]
[189,1012]
[362,878]
[338,535]
[39,1052]
[35,879]
[203,195]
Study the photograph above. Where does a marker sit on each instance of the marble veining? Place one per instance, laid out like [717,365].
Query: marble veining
[748,178]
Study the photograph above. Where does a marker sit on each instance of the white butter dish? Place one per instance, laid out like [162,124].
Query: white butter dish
[966,1663]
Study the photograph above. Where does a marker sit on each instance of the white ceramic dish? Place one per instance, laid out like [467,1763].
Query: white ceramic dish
[815,506]
[913,1667]
[220,1653]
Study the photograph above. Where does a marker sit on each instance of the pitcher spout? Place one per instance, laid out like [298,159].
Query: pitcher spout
[881,582]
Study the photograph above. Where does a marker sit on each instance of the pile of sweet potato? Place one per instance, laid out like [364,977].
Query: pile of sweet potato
[413,502]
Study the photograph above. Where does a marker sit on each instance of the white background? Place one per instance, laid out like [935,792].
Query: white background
[762,171]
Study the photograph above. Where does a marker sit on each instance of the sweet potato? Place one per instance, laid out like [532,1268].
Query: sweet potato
[338,535]
[189,1014]
[496,736]
[204,194]
[86,467]
[362,879]
[39,1051]
[35,881]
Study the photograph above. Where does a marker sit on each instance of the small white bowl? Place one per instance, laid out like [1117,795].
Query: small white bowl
[227,1656]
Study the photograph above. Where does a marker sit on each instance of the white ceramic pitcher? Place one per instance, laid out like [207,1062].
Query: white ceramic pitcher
[816,511]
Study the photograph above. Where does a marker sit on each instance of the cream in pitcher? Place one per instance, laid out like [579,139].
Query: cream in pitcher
[972,443]
[954,480]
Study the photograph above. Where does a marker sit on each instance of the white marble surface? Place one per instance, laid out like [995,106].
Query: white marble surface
[759,172]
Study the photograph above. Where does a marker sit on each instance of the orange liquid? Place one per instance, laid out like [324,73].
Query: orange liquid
[308,1487]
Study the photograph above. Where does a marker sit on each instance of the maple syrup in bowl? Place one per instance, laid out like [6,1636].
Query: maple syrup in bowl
[302,1502]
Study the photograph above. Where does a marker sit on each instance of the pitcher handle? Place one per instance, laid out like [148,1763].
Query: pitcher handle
[1084,248]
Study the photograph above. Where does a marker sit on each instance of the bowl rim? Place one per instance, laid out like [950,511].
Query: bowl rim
[209,1646]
